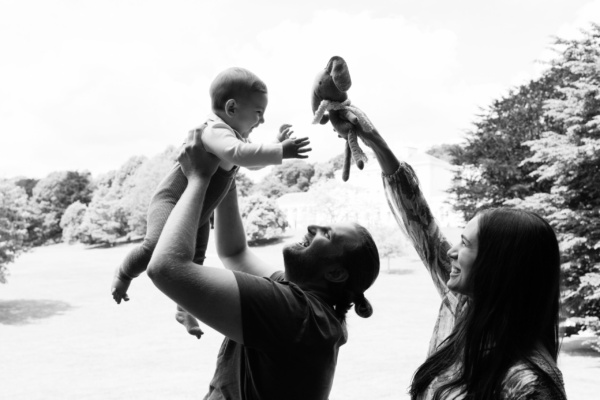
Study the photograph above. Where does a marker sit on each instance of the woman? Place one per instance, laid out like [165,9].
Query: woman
[496,336]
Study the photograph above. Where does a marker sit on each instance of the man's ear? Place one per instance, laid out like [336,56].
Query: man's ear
[230,107]
[336,274]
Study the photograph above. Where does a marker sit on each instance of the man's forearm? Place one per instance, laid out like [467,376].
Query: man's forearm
[178,238]
[231,240]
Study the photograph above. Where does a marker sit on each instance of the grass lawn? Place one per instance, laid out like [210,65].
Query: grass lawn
[63,337]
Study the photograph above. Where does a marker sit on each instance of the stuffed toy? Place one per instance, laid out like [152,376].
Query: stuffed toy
[330,103]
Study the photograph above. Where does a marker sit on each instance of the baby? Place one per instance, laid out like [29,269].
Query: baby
[239,100]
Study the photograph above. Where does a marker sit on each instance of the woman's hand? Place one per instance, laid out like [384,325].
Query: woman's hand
[386,158]
[195,161]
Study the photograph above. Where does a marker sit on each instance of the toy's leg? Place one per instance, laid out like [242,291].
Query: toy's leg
[347,162]
[357,154]
[183,317]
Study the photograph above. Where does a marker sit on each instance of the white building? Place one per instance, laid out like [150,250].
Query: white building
[362,198]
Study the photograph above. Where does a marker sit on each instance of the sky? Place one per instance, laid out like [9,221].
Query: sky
[85,85]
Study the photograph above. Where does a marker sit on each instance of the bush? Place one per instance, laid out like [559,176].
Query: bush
[263,219]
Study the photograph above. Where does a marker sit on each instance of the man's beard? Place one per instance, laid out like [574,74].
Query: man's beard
[297,264]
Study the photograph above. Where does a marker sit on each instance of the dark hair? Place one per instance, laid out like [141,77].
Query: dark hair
[234,83]
[362,263]
[515,281]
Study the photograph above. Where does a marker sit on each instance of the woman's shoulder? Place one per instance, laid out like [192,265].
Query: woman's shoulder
[537,377]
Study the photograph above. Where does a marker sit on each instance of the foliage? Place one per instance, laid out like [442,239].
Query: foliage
[326,170]
[539,149]
[263,219]
[13,232]
[27,184]
[390,242]
[106,218]
[445,152]
[569,162]
[244,185]
[271,187]
[139,187]
[71,222]
[291,176]
[491,169]
[50,198]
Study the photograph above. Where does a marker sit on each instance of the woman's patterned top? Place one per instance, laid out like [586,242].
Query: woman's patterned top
[414,217]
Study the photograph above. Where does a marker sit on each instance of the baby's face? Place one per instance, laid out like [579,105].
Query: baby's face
[250,113]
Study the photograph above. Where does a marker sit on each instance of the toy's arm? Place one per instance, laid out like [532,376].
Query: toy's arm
[346,124]
[357,154]
[347,162]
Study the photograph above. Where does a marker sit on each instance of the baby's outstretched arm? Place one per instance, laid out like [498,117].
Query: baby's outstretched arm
[295,148]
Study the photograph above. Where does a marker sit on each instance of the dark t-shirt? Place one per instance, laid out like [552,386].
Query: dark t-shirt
[291,345]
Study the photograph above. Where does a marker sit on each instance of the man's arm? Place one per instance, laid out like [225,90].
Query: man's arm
[209,294]
[231,240]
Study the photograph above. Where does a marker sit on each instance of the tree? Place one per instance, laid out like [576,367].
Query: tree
[27,184]
[323,172]
[139,186]
[270,186]
[568,161]
[104,221]
[539,149]
[291,176]
[490,163]
[71,222]
[244,185]
[263,219]
[390,242]
[13,232]
[106,218]
[445,152]
[50,198]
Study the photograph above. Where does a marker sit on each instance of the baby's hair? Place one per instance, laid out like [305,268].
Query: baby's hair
[234,83]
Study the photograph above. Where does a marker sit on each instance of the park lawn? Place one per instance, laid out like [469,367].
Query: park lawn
[63,337]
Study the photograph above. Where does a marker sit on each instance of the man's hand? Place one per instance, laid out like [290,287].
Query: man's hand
[295,148]
[195,161]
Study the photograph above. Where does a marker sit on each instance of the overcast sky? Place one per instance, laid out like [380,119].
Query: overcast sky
[84,85]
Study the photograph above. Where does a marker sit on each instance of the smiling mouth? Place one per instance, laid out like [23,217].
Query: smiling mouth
[305,242]
[454,270]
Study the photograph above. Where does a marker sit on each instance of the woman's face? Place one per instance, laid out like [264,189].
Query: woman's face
[463,256]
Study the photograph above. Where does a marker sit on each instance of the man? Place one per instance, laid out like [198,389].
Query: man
[283,331]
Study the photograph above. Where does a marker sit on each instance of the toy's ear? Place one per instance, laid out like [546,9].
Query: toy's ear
[338,69]
[322,80]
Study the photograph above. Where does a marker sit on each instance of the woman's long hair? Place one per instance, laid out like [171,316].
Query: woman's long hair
[515,283]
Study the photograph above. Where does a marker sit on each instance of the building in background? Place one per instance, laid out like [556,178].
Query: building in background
[362,198]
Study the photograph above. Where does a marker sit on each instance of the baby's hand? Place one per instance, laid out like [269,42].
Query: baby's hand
[285,132]
[119,289]
[294,148]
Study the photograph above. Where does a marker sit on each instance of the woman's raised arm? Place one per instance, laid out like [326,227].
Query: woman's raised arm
[411,210]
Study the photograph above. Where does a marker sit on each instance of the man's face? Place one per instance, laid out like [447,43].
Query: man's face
[306,260]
